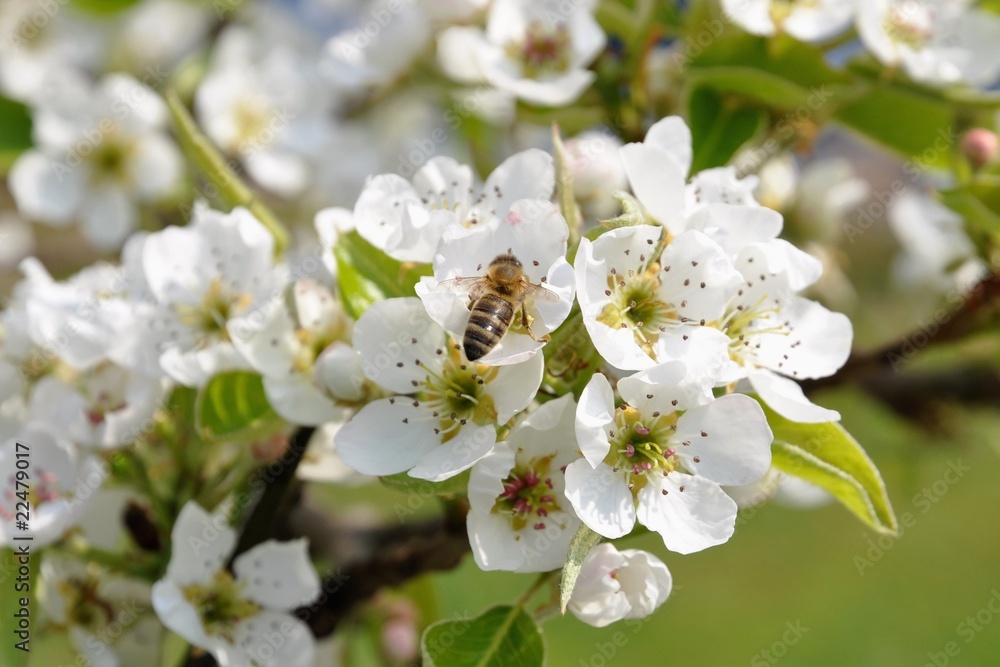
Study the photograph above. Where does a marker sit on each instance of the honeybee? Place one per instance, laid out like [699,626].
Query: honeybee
[493,300]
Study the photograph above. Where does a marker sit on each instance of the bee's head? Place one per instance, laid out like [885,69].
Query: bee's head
[504,268]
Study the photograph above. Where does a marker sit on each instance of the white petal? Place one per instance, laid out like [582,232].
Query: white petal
[601,498]
[825,341]
[391,336]
[732,227]
[595,415]
[179,615]
[645,581]
[272,639]
[729,436]
[298,400]
[671,135]
[278,575]
[697,277]
[457,49]
[529,174]
[154,166]
[700,516]
[785,397]
[657,180]
[201,544]
[45,189]
[515,386]
[108,216]
[338,369]
[377,441]
[469,445]
[754,16]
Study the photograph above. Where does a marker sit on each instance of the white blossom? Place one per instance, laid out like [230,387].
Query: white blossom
[407,220]
[938,42]
[231,615]
[519,519]
[57,482]
[536,50]
[661,457]
[808,21]
[615,585]
[99,153]
[536,234]
[303,353]
[444,414]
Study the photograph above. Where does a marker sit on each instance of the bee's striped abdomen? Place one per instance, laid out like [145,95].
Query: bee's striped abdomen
[490,318]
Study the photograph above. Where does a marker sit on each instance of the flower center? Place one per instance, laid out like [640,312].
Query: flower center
[211,315]
[910,24]
[250,119]
[528,496]
[744,325]
[640,445]
[544,50]
[104,404]
[109,158]
[456,394]
[636,305]
[84,605]
[221,604]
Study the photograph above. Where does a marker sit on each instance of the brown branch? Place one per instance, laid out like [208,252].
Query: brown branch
[395,555]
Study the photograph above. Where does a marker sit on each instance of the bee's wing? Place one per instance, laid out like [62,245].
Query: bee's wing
[461,285]
[541,293]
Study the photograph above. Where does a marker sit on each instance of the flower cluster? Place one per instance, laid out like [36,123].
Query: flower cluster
[937,42]
[569,344]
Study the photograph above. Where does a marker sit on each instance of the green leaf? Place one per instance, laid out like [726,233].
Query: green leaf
[15,131]
[581,544]
[979,206]
[15,586]
[827,456]
[903,121]
[233,405]
[366,274]
[402,482]
[206,157]
[719,127]
[104,6]
[500,637]
[779,72]
[755,84]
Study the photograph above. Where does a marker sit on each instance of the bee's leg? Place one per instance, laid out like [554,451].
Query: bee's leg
[527,327]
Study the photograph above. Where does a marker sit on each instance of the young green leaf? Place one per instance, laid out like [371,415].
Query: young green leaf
[581,544]
[503,636]
[402,482]
[366,274]
[827,456]
[233,404]
[719,127]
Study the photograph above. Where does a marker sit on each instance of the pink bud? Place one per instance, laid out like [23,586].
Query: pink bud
[980,146]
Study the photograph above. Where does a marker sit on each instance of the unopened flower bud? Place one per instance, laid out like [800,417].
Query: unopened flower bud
[980,146]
